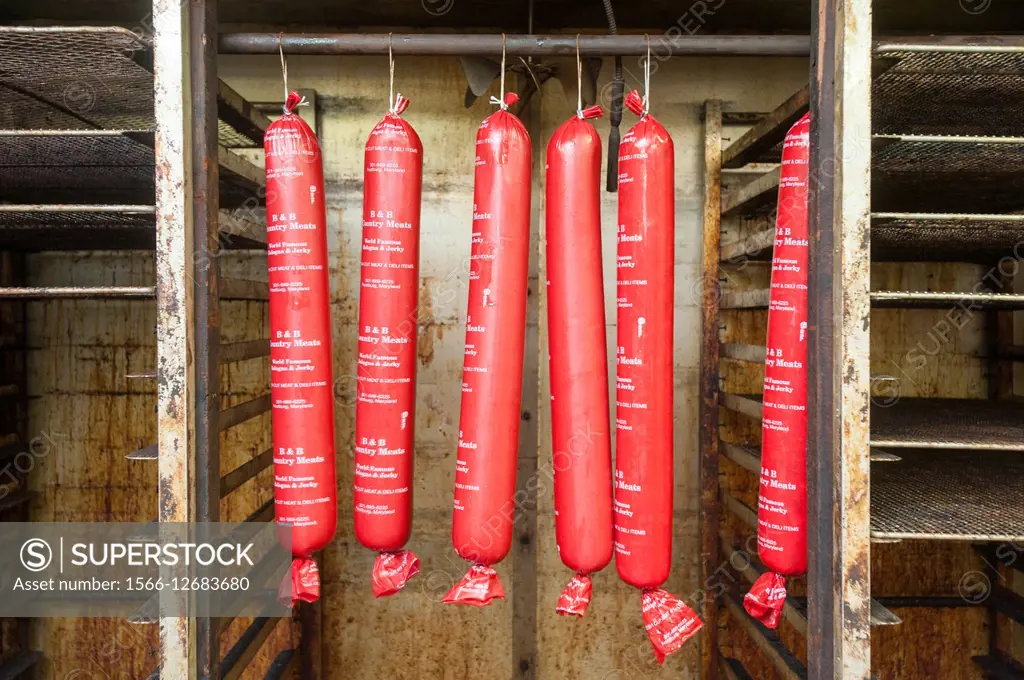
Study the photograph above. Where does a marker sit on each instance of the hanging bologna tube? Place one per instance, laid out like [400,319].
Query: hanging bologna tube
[301,387]
[782,502]
[644,478]
[386,376]
[578,354]
[485,470]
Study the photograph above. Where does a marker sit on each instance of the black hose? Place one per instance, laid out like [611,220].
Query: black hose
[615,107]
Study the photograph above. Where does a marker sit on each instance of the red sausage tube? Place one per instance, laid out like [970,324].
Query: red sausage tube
[578,353]
[782,503]
[301,387]
[386,375]
[643,383]
[485,471]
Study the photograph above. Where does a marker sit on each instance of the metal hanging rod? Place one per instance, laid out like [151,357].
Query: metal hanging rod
[439,44]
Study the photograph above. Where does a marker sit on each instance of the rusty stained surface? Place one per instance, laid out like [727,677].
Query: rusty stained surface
[709,380]
[80,402]
[852,270]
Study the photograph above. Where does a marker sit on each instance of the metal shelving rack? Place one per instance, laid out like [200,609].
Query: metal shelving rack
[946,155]
[94,126]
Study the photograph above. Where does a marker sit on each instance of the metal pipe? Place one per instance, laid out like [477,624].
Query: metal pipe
[95,292]
[475,44]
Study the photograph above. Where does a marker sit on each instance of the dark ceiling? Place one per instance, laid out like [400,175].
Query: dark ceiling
[693,16]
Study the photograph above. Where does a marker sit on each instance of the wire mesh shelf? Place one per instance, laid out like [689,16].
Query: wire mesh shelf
[927,423]
[981,424]
[87,77]
[980,92]
[949,496]
[108,227]
[113,166]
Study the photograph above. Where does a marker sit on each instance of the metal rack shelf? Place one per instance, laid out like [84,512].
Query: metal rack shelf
[114,166]
[918,89]
[928,89]
[898,299]
[107,227]
[96,77]
[918,237]
[949,496]
[916,423]
[910,173]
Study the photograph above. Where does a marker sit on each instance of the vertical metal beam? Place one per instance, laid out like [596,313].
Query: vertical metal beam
[310,617]
[175,253]
[709,552]
[524,547]
[838,641]
[205,206]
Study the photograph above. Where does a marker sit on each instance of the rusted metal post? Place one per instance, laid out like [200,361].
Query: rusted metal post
[206,204]
[175,253]
[709,553]
[838,642]
[310,647]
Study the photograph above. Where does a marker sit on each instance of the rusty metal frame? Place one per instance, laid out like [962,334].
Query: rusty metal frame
[175,293]
[839,579]
[206,242]
[709,381]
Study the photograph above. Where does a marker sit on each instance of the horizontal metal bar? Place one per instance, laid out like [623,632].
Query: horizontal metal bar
[926,299]
[785,662]
[242,289]
[734,670]
[747,299]
[755,244]
[264,513]
[145,453]
[940,217]
[752,195]
[144,375]
[754,354]
[744,456]
[951,43]
[1007,603]
[743,512]
[284,663]
[18,664]
[768,132]
[475,44]
[76,208]
[927,602]
[241,351]
[742,404]
[246,471]
[999,667]
[247,410]
[898,299]
[15,499]
[239,656]
[749,457]
[239,114]
[77,293]
[144,135]
[953,139]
